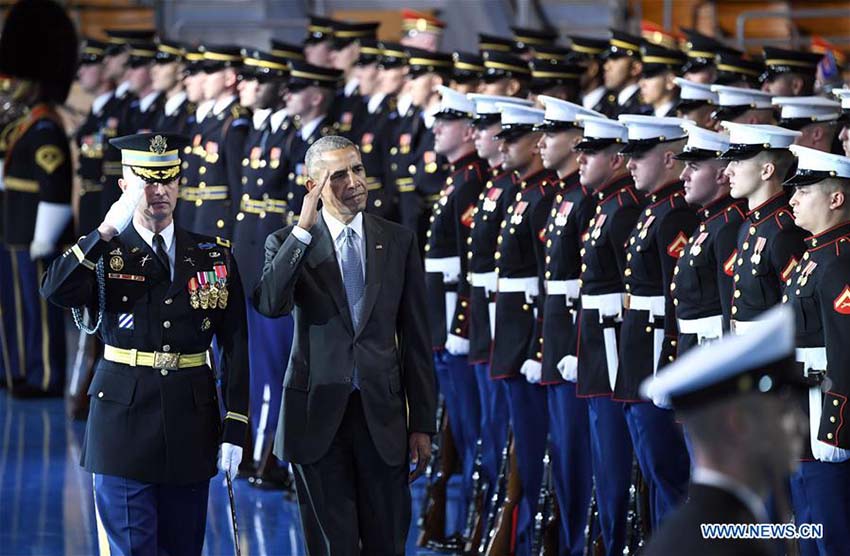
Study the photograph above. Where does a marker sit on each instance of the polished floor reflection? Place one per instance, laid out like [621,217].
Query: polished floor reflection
[46,505]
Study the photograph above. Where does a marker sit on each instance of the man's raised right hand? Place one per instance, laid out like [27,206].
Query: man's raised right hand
[120,214]
[310,206]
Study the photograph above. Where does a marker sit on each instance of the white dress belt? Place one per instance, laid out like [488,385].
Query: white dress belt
[570,288]
[449,267]
[705,327]
[529,286]
[652,303]
[487,280]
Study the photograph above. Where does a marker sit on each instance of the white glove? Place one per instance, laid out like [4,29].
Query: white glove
[532,370]
[120,214]
[457,345]
[568,367]
[39,250]
[231,457]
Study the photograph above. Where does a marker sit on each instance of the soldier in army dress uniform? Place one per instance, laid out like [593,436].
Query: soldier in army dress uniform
[167,75]
[160,294]
[819,293]
[37,193]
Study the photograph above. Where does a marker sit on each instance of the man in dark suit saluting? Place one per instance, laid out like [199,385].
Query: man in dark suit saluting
[359,392]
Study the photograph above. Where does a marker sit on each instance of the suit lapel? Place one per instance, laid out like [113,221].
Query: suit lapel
[375,254]
[322,257]
[184,252]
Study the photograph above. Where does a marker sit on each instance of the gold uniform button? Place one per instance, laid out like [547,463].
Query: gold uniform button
[169,301]
[835,403]
[832,419]
[648,329]
[163,372]
[219,224]
[100,394]
[829,435]
[166,324]
[166,348]
[737,294]
[124,298]
[525,307]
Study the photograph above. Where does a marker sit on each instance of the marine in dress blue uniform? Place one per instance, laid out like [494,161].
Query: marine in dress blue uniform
[816,117]
[262,210]
[499,190]
[742,105]
[648,337]
[519,310]
[769,245]
[448,287]
[37,193]
[702,281]
[819,293]
[155,427]
[603,260]
[567,223]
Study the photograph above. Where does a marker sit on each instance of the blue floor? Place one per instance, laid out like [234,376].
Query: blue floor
[46,505]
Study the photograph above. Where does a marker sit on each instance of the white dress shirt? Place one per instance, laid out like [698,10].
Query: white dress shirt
[259,117]
[203,110]
[221,104]
[624,95]
[175,102]
[276,119]
[375,102]
[147,101]
[337,231]
[308,128]
[100,101]
[664,109]
[167,236]
[593,97]
[122,89]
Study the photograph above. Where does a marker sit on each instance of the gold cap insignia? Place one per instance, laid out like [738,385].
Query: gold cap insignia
[158,144]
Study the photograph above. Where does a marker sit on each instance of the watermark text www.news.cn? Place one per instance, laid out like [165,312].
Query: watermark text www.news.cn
[761,530]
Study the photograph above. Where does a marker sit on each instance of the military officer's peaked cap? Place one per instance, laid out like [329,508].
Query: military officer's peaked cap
[586,47]
[345,33]
[303,75]
[92,51]
[693,95]
[287,50]
[319,29]
[647,131]
[733,67]
[193,59]
[454,105]
[844,96]
[525,38]
[38,43]
[748,140]
[547,73]
[121,39]
[517,120]
[658,59]
[701,50]
[778,61]
[798,112]
[734,101]
[486,107]
[393,55]
[264,66]
[759,361]
[370,52]
[154,157]
[168,51]
[623,44]
[560,115]
[702,144]
[497,44]
[600,133]
[141,54]
[414,22]
[501,65]
[218,57]
[814,166]
[467,67]
[421,61]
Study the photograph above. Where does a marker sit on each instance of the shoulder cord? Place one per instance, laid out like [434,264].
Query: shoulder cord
[77,312]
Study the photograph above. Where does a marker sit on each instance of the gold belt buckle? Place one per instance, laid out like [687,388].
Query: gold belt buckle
[168,361]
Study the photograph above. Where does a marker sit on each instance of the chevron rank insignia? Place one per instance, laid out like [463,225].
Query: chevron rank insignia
[677,246]
[842,302]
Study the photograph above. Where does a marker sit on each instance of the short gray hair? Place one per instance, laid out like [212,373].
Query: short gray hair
[323,145]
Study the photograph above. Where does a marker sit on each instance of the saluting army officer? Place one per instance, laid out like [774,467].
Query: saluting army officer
[769,244]
[819,293]
[160,294]
[702,282]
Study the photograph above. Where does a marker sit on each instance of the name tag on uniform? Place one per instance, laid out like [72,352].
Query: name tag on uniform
[131,277]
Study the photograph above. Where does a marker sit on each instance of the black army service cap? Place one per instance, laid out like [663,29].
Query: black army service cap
[92,51]
[303,75]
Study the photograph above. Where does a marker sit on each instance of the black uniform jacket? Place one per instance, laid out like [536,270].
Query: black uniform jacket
[446,238]
[603,262]
[391,347]
[148,424]
[702,282]
[819,293]
[654,247]
[493,203]
[92,141]
[571,212]
[520,255]
[769,247]
[37,168]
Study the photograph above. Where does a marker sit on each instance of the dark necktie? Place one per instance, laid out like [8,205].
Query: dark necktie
[161,253]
